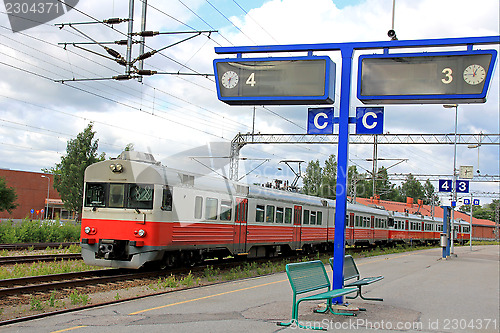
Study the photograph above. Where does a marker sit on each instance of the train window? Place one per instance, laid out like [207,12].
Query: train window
[259,213]
[306,217]
[198,207]
[270,213]
[365,222]
[288,215]
[166,200]
[116,195]
[140,196]
[357,224]
[225,210]
[313,218]
[279,214]
[211,208]
[319,217]
[95,195]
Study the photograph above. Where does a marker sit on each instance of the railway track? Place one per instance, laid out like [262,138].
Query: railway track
[35,246]
[42,284]
[10,260]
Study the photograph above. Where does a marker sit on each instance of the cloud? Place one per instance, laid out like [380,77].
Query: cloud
[167,114]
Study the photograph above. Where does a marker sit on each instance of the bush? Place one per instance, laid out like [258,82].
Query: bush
[36,231]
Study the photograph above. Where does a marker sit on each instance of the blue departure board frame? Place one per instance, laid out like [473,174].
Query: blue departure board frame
[275,80]
[424,78]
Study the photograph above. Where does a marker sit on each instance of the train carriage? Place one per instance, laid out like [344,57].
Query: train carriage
[137,211]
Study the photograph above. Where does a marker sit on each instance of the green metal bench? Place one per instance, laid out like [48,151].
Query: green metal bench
[351,272]
[307,277]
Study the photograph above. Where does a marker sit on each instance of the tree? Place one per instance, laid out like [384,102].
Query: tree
[430,195]
[312,179]
[68,175]
[8,197]
[329,178]
[411,188]
[488,211]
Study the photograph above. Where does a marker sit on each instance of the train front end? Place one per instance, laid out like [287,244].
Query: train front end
[119,228]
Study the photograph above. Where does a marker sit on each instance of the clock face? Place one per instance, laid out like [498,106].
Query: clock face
[229,79]
[474,74]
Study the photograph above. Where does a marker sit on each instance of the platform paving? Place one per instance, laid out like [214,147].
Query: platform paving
[422,293]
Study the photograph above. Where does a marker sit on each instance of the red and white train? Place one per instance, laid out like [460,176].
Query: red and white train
[137,211]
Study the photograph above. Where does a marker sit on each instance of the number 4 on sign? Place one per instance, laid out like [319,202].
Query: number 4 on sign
[251,80]
[444,185]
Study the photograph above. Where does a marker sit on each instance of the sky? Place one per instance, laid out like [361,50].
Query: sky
[177,117]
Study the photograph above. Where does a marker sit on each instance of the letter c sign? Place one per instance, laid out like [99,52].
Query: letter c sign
[320,121]
[369,120]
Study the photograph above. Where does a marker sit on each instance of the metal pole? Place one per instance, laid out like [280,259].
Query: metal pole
[452,247]
[454,185]
[342,164]
[129,35]
[374,171]
[470,238]
[48,195]
[393,12]
[143,28]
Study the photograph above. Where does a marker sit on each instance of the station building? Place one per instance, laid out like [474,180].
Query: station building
[35,192]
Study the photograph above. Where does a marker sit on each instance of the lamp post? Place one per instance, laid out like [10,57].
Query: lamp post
[48,193]
[454,183]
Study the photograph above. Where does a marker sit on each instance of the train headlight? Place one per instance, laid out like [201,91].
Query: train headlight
[87,230]
[117,168]
[141,233]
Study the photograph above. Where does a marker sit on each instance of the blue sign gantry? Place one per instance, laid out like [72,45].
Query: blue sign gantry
[347,53]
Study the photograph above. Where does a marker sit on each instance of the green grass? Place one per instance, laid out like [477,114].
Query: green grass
[38,231]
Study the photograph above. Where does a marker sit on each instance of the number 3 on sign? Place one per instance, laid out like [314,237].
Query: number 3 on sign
[251,80]
[447,72]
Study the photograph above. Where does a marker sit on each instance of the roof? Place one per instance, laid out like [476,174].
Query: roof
[426,210]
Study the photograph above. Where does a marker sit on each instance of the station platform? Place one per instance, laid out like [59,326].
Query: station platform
[421,292]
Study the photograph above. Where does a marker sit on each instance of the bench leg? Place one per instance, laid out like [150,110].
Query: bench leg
[358,293]
[329,307]
[371,298]
[295,320]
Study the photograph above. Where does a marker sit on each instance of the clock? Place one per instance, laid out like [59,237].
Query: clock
[466,171]
[474,74]
[229,79]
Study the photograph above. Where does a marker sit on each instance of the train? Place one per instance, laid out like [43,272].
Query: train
[138,212]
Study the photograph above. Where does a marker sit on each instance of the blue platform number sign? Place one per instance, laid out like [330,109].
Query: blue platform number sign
[445,185]
[369,120]
[462,186]
[320,121]
[475,202]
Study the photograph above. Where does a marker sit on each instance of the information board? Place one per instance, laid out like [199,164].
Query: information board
[418,78]
[263,81]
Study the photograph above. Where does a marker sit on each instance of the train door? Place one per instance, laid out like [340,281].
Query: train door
[372,229]
[240,226]
[297,227]
[350,230]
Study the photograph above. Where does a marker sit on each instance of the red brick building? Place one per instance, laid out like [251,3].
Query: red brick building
[32,189]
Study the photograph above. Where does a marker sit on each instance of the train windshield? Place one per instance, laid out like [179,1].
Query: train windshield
[115,195]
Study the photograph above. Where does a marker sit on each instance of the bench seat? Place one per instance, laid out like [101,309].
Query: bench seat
[351,272]
[308,277]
